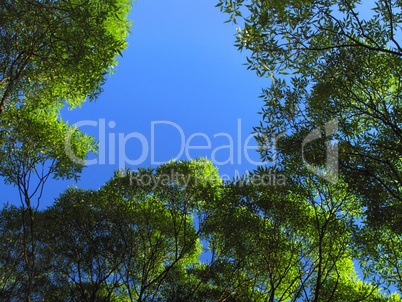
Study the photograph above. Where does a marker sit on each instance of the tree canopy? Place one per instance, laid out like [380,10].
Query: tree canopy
[330,231]
[52,54]
[59,49]
[193,237]
[335,99]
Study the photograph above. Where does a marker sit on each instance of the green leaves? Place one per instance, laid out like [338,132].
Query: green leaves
[293,35]
[31,137]
[119,239]
[57,53]
[64,47]
[52,54]
[345,64]
[135,241]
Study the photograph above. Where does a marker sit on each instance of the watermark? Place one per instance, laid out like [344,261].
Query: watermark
[153,181]
[232,148]
[113,147]
[330,172]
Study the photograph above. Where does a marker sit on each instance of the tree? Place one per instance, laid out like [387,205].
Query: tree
[33,148]
[134,239]
[333,63]
[62,49]
[52,53]
[287,243]
[12,276]
[140,238]
[296,35]
[346,62]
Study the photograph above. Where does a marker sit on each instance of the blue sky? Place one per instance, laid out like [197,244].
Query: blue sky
[180,85]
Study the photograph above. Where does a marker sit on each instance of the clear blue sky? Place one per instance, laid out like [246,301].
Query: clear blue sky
[180,83]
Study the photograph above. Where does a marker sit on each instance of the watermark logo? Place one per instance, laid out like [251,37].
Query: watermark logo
[152,180]
[113,148]
[330,172]
[232,148]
